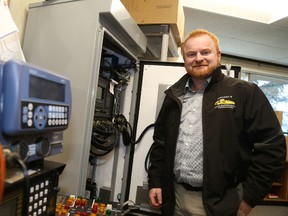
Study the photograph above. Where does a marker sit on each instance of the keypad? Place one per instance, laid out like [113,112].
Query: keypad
[38,199]
[41,116]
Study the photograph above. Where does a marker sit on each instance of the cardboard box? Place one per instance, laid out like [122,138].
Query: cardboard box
[286,137]
[158,12]
[279,115]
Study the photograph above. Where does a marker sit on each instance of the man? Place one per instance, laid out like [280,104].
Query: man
[217,142]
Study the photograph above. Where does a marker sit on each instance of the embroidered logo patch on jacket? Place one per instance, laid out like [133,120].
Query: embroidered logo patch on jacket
[225,102]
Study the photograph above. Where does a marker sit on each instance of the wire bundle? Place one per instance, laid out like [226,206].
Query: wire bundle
[104,138]
[126,129]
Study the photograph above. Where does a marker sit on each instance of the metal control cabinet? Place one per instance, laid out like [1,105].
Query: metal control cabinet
[67,37]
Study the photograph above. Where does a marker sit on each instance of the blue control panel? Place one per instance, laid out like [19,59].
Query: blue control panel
[33,100]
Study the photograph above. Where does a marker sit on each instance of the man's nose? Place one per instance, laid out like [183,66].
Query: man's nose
[199,56]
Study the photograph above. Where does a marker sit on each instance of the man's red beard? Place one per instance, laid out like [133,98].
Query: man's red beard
[201,73]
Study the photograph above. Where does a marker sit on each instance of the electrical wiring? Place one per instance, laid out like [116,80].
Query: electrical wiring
[147,162]
[2,172]
[127,207]
[104,138]
[142,134]
[105,135]
[125,127]
[119,73]
[98,152]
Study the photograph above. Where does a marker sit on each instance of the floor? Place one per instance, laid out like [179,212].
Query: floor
[269,211]
[261,210]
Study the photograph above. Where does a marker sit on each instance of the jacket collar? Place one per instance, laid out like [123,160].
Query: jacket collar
[179,87]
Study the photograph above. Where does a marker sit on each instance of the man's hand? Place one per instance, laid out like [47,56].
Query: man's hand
[244,209]
[155,196]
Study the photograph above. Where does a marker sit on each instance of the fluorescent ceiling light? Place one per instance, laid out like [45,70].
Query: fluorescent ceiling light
[265,11]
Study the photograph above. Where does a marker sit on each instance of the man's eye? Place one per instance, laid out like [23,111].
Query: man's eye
[205,53]
[191,55]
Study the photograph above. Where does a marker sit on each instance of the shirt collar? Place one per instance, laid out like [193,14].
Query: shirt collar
[189,83]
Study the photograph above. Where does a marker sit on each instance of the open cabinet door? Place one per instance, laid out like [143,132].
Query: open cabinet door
[154,79]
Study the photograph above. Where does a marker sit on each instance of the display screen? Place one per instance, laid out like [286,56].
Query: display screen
[45,89]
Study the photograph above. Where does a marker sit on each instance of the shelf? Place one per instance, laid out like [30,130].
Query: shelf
[156,46]
[275,200]
[277,184]
[280,188]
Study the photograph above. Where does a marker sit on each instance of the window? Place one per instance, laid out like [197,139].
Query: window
[275,89]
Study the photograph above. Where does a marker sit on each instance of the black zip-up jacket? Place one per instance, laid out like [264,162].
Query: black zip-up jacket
[242,143]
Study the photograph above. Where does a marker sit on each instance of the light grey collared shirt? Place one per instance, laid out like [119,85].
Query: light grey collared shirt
[188,164]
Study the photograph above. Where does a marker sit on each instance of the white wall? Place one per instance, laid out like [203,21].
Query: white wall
[19,9]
